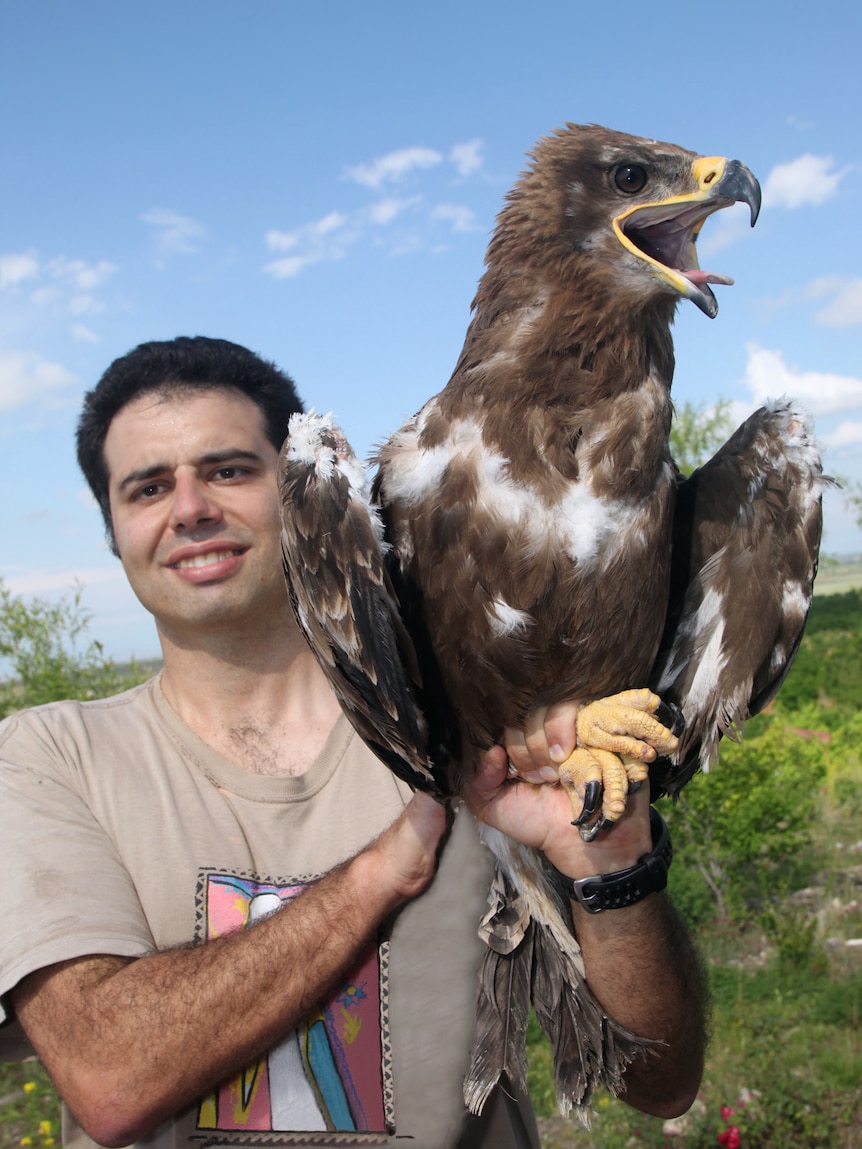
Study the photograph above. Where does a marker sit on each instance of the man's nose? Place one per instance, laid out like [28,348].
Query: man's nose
[193,504]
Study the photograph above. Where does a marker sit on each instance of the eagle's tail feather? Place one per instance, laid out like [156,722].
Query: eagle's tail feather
[537,961]
[589,1048]
[502,1013]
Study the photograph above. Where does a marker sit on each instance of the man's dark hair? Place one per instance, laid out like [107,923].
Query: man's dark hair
[187,363]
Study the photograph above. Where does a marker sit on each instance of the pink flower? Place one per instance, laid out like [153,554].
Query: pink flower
[726,1113]
[730,1138]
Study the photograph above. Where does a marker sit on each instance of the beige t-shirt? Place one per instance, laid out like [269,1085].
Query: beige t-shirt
[122,832]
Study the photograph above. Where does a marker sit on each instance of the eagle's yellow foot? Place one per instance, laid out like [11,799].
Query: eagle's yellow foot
[616,738]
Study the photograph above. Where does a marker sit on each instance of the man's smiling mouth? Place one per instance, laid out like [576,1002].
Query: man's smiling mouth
[205,560]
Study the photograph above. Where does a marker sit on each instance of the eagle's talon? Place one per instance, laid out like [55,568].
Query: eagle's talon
[592,798]
[617,738]
[591,832]
[631,723]
[670,716]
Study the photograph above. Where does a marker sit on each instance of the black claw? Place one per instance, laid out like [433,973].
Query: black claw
[591,832]
[592,798]
[670,716]
[634,787]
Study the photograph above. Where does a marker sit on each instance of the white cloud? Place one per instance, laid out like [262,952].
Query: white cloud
[393,167]
[63,287]
[845,308]
[292,265]
[281,240]
[79,274]
[42,296]
[40,581]
[821,393]
[83,334]
[25,377]
[386,210]
[85,305]
[847,434]
[310,233]
[331,222]
[175,234]
[324,238]
[16,266]
[332,236]
[461,217]
[806,180]
[467,157]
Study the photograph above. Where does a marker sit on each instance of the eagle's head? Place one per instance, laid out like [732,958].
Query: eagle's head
[630,207]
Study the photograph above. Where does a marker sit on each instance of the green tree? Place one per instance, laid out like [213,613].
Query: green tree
[743,832]
[46,655]
[698,431]
[828,666]
[853,501]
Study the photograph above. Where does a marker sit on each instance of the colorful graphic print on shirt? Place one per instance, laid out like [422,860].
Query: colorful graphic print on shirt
[332,1072]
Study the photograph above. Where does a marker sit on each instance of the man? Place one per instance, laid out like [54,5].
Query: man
[136,829]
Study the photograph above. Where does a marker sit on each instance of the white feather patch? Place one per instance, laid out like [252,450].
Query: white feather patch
[710,620]
[305,438]
[505,619]
[583,525]
[317,441]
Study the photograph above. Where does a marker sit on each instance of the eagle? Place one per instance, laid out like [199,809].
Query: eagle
[527,538]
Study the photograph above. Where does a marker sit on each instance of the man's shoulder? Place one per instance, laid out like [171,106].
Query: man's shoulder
[76,718]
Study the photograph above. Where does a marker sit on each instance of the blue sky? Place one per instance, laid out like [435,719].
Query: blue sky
[319,181]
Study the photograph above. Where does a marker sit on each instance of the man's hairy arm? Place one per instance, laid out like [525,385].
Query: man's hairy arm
[128,1043]
[643,968]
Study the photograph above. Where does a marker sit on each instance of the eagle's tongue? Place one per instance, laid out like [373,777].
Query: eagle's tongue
[696,276]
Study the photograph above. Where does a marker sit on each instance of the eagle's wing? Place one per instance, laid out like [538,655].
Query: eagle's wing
[334,559]
[746,536]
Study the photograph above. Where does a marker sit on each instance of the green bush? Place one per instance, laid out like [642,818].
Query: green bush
[43,646]
[742,833]
[828,666]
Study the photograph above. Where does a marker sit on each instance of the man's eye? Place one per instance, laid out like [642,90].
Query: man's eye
[227,472]
[148,491]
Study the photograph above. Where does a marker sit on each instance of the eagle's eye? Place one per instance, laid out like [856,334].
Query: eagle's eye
[631,178]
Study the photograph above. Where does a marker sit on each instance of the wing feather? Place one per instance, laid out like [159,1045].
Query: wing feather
[746,537]
[334,560]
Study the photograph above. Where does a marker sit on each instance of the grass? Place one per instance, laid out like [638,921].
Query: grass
[29,1109]
[786,1048]
[838,575]
[786,1057]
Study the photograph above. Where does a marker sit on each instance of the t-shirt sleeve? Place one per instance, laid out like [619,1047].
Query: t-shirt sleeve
[64,892]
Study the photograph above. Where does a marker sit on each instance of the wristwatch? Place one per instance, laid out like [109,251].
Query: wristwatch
[623,887]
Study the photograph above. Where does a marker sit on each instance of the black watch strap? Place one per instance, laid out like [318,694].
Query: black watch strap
[623,887]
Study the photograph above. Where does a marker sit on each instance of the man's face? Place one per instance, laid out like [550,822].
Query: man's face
[194,505]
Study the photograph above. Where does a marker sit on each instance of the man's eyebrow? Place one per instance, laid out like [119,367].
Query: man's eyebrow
[228,455]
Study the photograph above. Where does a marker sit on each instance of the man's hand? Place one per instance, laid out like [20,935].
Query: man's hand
[537,812]
[406,854]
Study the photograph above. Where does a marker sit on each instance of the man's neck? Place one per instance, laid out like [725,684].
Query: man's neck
[266,707]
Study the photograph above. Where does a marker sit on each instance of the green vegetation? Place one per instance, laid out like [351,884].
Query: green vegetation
[698,431]
[768,871]
[44,658]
